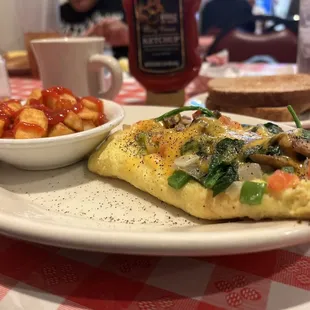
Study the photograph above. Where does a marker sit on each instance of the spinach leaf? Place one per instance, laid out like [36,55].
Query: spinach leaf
[226,152]
[273,150]
[212,178]
[273,128]
[258,149]
[223,170]
[230,176]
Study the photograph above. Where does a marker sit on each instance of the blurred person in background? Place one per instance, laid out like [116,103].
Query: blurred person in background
[224,14]
[104,18]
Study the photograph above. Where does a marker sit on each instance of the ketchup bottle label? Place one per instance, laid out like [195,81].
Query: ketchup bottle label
[160,35]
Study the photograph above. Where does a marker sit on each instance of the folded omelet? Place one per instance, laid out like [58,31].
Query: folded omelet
[212,167]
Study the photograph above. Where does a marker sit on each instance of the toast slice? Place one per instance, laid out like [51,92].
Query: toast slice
[276,114]
[261,91]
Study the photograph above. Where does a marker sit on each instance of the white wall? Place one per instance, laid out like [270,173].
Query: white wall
[11,36]
[29,16]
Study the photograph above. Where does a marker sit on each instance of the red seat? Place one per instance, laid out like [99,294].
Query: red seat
[282,45]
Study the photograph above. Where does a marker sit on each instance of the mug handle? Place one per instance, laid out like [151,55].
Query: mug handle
[99,61]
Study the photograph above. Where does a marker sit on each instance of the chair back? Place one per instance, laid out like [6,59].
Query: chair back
[282,45]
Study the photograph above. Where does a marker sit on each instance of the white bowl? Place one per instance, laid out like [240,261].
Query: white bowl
[57,152]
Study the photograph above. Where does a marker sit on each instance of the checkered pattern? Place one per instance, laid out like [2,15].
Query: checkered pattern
[131,93]
[40,277]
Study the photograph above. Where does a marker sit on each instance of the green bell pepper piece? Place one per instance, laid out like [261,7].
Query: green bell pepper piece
[252,192]
[178,179]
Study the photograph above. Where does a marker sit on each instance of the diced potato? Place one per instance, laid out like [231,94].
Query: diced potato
[87,114]
[35,94]
[60,130]
[31,123]
[89,104]
[73,121]
[28,131]
[34,116]
[10,107]
[51,101]
[14,106]
[88,125]
[2,124]
[68,97]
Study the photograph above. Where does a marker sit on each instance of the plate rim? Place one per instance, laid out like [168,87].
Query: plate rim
[176,243]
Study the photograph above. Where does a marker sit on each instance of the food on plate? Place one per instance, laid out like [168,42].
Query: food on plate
[261,96]
[123,62]
[51,112]
[211,166]
[16,60]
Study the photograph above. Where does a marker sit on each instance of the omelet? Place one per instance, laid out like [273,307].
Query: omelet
[211,166]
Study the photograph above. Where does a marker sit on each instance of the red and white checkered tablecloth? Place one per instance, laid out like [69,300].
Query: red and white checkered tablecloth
[35,277]
[131,92]
[38,277]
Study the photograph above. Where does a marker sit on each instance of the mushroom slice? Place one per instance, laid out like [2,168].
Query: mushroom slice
[286,145]
[276,162]
[301,146]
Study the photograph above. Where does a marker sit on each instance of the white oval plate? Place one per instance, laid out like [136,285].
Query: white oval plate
[71,207]
[200,100]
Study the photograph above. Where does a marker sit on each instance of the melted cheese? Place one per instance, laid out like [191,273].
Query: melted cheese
[171,141]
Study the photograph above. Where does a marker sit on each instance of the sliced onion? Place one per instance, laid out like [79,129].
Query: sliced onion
[186,160]
[190,164]
[250,171]
[233,191]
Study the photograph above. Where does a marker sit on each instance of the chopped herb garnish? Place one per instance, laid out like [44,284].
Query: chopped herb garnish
[295,117]
[141,138]
[205,111]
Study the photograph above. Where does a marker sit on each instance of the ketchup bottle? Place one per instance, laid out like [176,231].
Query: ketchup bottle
[163,50]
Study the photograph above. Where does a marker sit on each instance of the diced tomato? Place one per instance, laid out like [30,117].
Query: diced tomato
[196,114]
[229,122]
[163,149]
[281,180]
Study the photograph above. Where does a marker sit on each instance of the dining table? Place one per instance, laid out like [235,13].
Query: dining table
[35,276]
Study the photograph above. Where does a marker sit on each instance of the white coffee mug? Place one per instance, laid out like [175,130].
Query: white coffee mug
[76,63]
